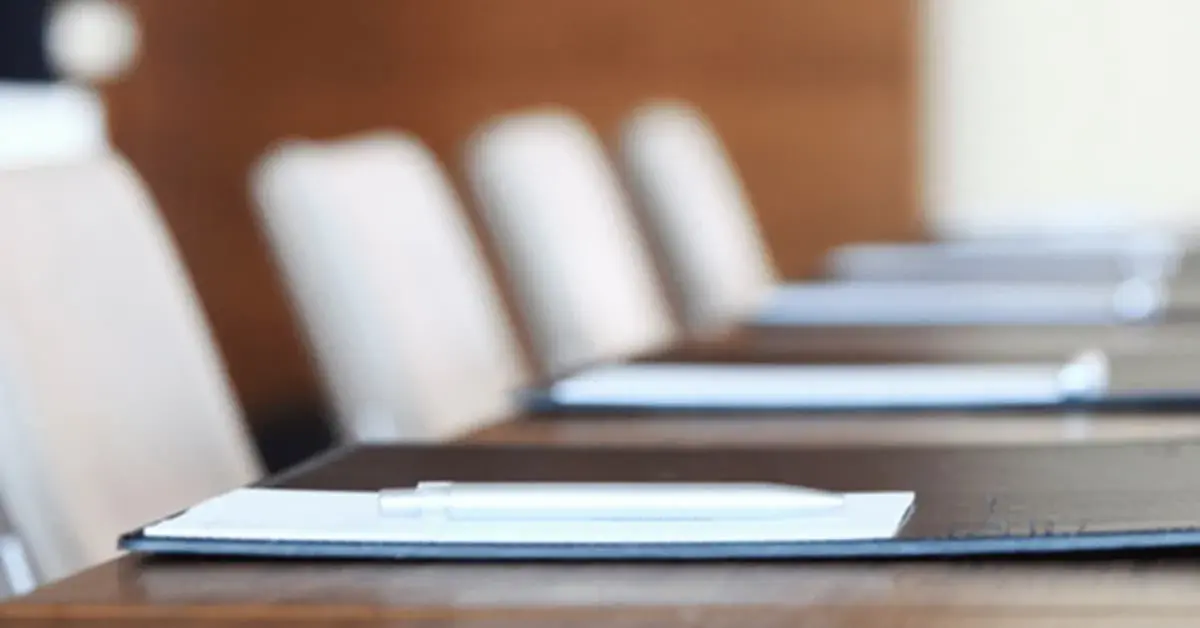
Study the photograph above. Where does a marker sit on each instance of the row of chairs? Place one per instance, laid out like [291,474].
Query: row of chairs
[114,406]
[380,260]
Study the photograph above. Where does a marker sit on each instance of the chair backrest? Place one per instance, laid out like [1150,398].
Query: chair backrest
[114,407]
[697,211]
[398,305]
[584,280]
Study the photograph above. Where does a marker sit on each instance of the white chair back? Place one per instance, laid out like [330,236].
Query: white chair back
[583,277]
[114,407]
[400,310]
[697,211]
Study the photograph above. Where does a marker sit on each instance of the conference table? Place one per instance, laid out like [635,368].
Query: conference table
[135,591]
[1093,591]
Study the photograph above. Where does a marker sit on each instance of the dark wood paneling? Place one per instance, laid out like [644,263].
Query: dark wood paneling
[814,97]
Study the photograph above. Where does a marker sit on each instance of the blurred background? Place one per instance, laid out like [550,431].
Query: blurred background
[849,120]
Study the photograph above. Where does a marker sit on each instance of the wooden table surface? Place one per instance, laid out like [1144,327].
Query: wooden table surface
[133,591]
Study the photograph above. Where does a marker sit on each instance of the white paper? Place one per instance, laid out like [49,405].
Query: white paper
[258,514]
[962,303]
[834,386]
[1091,257]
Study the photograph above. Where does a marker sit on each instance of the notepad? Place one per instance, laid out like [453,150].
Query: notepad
[781,386]
[852,303]
[1088,258]
[266,515]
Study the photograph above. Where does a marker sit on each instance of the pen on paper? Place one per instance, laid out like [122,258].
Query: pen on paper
[604,501]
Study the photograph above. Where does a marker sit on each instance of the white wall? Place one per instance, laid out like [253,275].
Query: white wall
[1051,114]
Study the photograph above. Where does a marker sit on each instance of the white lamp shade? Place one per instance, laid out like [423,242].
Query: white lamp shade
[91,41]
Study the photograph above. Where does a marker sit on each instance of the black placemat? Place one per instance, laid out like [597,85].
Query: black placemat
[970,500]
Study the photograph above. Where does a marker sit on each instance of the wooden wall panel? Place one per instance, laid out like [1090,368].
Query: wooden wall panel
[815,98]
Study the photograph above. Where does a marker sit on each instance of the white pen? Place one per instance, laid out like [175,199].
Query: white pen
[603,501]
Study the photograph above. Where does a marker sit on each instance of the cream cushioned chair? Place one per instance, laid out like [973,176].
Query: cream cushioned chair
[400,310]
[584,280]
[695,206]
[114,407]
